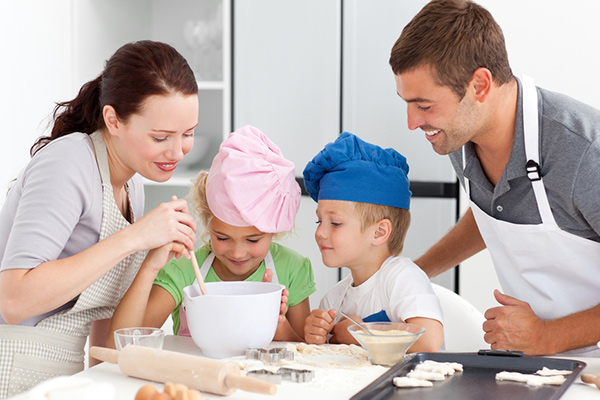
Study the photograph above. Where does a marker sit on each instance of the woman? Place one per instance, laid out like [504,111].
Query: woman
[70,238]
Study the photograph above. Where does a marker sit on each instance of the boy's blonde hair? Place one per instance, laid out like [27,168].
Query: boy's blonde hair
[200,208]
[369,214]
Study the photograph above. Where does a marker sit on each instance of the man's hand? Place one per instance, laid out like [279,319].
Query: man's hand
[514,326]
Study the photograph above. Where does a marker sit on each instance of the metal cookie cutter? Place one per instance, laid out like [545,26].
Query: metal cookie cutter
[263,374]
[297,375]
[270,356]
[289,374]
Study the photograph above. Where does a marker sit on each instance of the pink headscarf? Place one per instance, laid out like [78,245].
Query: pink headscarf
[250,183]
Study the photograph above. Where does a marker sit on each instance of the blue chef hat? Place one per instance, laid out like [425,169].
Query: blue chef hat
[353,170]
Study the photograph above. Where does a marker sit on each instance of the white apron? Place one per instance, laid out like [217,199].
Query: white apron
[183,324]
[554,271]
[55,346]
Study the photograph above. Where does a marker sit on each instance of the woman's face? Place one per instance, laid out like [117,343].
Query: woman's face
[238,250]
[153,141]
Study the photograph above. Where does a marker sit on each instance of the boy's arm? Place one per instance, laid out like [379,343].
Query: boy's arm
[341,334]
[432,339]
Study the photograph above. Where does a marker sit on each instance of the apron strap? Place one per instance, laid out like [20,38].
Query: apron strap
[101,157]
[532,150]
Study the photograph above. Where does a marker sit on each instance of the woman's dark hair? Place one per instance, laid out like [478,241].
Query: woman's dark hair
[136,71]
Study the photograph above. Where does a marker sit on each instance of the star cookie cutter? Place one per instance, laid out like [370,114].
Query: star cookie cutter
[270,356]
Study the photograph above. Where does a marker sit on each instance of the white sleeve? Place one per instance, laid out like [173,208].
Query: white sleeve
[410,292]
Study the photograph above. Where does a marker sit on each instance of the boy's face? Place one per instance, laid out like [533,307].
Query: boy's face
[339,236]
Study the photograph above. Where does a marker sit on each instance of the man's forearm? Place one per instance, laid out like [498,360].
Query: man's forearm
[460,243]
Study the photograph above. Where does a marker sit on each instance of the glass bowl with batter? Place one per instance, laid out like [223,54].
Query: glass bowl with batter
[388,341]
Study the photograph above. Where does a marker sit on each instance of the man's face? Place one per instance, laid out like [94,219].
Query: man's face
[448,122]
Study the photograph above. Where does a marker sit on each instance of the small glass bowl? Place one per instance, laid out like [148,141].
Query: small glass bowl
[389,341]
[139,336]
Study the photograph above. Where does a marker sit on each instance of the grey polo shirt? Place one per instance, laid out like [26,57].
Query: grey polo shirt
[570,163]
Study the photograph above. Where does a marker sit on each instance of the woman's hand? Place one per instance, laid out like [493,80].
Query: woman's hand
[168,222]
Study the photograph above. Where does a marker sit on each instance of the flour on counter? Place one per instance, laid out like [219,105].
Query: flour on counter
[337,365]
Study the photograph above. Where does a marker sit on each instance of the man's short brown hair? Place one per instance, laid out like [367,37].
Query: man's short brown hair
[454,37]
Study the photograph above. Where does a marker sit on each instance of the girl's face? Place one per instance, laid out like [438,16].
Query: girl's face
[153,141]
[238,250]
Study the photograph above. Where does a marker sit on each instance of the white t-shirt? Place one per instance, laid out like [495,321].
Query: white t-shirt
[54,209]
[399,287]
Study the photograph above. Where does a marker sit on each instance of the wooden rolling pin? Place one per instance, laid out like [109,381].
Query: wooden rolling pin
[202,373]
[589,378]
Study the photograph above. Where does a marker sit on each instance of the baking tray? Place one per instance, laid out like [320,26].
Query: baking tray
[477,381]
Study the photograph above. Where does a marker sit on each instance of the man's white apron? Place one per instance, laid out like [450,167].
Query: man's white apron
[554,271]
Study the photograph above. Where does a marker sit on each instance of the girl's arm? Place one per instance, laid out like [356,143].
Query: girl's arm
[291,329]
[145,304]
[432,339]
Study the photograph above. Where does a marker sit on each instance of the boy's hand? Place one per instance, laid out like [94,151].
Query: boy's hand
[267,277]
[340,331]
[318,324]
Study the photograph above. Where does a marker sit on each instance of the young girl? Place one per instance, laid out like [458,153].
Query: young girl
[247,199]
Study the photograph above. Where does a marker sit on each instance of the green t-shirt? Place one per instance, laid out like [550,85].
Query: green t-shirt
[294,271]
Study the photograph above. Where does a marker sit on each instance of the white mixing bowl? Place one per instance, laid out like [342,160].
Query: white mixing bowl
[233,316]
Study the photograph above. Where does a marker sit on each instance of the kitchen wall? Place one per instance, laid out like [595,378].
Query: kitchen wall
[554,41]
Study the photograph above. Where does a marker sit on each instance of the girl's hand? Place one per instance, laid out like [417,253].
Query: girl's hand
[268,277]
[168,222]
[284,308]
[160,256]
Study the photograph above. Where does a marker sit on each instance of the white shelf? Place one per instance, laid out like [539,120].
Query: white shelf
[211,85]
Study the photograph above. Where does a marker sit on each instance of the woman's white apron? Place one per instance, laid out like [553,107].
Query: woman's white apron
[183,325]
[55,346]
[554,271]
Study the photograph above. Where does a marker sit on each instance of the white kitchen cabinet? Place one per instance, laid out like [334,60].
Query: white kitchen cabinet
[304,71]
[286,82]
[199,30]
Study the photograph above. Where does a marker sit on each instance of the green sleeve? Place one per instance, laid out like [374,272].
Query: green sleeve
[295,272]
[176,275]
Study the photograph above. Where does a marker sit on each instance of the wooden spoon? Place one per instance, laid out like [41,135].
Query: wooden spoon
[196,267]
[197,272]
[589,378]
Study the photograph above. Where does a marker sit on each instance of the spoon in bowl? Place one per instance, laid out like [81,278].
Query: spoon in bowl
[196,267]
[355,322]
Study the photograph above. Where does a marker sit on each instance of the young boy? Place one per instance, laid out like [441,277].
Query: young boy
[363,215]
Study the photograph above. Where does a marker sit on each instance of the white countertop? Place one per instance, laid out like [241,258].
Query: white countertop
[331,384]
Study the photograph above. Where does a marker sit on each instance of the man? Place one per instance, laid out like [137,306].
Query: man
[529,161]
